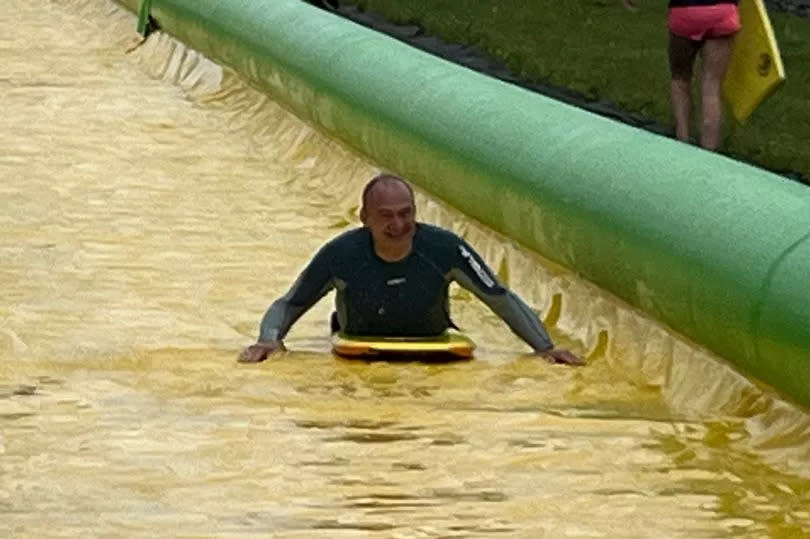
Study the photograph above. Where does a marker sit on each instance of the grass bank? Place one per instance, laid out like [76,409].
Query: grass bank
[599,49]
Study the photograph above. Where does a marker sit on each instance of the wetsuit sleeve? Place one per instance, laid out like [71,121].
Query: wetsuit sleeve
[314,283]
[471,272]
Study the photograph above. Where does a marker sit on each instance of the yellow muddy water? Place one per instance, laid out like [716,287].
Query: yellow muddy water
[152,207]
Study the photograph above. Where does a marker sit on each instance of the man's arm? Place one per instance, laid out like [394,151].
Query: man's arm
[472,273]
[312,284]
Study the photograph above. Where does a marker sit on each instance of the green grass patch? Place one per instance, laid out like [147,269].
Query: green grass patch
[598,48]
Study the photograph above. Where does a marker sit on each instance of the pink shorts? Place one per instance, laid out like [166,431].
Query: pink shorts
[704,22]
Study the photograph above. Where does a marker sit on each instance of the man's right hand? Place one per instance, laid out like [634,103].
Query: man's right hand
[562,357]
[260,351]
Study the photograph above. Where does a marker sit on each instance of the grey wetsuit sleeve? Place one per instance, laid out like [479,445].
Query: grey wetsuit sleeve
[472,273]
[314,283]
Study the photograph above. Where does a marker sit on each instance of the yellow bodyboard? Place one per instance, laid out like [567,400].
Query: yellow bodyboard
[449,345]
[755,70]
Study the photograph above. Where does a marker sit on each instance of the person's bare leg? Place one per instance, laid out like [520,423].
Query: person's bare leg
[682,53]
[716,55]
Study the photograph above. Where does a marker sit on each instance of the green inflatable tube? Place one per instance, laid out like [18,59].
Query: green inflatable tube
[717,250]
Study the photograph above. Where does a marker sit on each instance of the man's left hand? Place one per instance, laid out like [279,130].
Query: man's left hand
[563,357]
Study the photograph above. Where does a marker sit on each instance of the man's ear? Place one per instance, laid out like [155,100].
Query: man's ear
[363,215]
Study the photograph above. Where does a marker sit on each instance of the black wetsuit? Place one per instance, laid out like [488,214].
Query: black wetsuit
[404,298]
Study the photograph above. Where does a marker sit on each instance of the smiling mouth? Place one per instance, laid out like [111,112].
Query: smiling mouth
[397,235]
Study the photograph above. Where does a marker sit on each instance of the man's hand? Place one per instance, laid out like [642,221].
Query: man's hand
[563,357]
[630,5]
[259,351]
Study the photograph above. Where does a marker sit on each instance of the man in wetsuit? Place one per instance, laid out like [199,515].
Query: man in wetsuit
[392,277]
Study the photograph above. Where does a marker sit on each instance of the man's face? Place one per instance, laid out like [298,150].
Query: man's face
[390,215]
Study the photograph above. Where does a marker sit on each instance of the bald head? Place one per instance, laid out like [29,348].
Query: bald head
[385,186]
[388,212]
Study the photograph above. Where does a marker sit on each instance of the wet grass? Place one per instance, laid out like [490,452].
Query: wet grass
[604,52]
